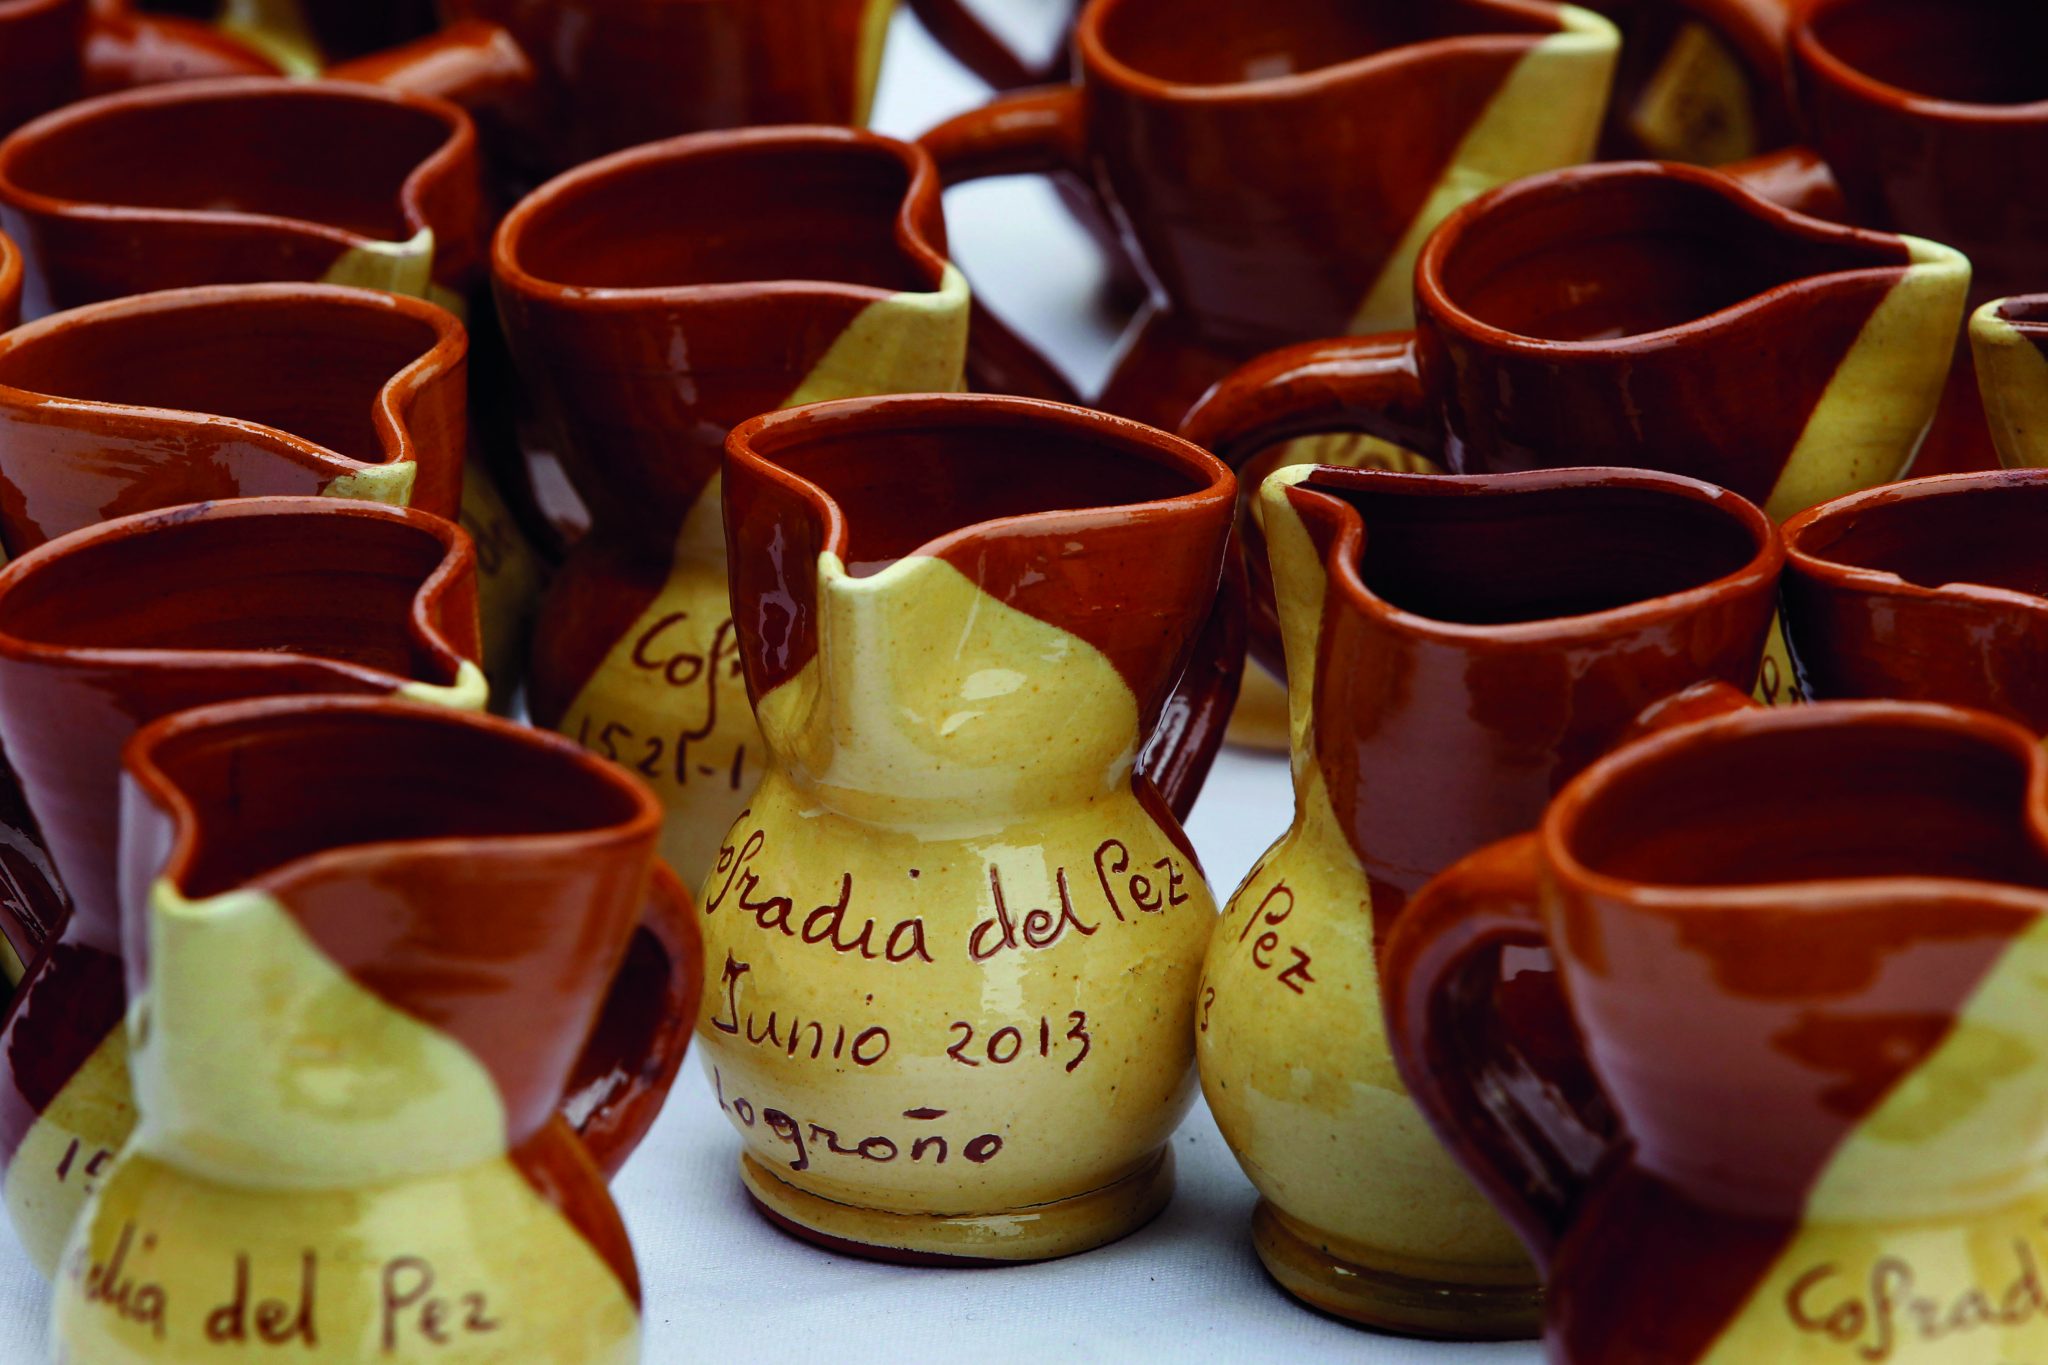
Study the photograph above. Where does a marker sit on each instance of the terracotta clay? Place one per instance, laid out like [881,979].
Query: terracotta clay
[1603,315]
[439,901]
[1768,1037]
[55,51]
[1461,647]
[563,81]
[301,181]
[2009,338]
[253,597]
[655,300]
[1930,590]
[958,891]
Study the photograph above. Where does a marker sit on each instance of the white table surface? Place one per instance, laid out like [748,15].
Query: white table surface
[723,1286]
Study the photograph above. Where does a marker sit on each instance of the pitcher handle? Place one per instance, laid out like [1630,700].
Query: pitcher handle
[1794,178]
[471,62]
[1495,1062]
[975,46]
[1031,132]
[629,1065]
[1189,733]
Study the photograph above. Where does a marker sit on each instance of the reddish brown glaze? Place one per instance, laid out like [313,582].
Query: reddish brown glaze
[1601,315]
[243,598]
[483,877]
[10,283]
[1107,529]
[191,395]
[1762,924]
[1754,32]
[338,29]
[107,197]
[1264,160]
[659,297]
[1485,638]
[1930,590]
[602,75]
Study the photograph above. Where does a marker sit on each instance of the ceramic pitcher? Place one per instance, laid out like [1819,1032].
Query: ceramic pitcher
[305,36]
[207,183]
[560,82]
[356,1153]
[951,945]
[55,51]
[655,300]
[1460,647]
[1931,590]
[1787,1105]
[2010,340]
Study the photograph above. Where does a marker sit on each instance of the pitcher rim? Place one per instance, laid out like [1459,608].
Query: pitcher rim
[1561,822]
[1822,59]
[1342,560]
[450,348]
[1098,62]
[459,146]
[1817,564]
[1440,309]
[921,195]
[1217,486]
[458,558]
[139,764]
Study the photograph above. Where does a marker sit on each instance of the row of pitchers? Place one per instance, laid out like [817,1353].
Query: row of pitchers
[955,689]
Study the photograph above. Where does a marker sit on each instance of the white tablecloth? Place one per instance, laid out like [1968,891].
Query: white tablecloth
[720,1284]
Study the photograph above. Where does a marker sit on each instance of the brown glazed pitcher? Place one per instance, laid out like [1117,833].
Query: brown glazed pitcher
[2009,338]
[248,598]
[654,300]
[1460,647]
[244,181]
[1931,590]
[370,1125]
[1276,167]
[1783,1101]
[563,81]
[962,885]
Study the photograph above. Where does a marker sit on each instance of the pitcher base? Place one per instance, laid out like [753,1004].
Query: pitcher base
[1386,1300]
[1041,1232]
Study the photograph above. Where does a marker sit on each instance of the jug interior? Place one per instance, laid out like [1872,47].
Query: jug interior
[273,789]
[309,155]
[1988,535]
[733,215]
[1605,258]
[1967,51]
[335,587]
[1490,559]
[1877,798]
[899,488]
[311,368]
[1224,42]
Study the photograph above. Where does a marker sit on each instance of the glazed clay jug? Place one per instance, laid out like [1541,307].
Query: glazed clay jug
[2010,340]
[1277,178]
[356,1154]
[1604,315]
[656,300]
[951,945]
[1460,647]
[55,51]
[1930,590]
[306,36]
[1788,1104]
[207,183]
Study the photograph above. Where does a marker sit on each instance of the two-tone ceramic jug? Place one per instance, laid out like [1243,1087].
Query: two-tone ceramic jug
[952,944]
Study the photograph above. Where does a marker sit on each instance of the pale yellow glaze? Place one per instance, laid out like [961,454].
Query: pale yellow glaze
[1697,106]
[1374,1221]
[1870,421]
[390,484]
[324,1150]
[2013,377]
[941,750]
[1925,1240]
[668,700]
[1546,114]
[874,38]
